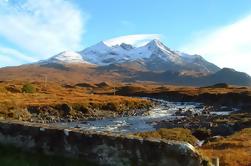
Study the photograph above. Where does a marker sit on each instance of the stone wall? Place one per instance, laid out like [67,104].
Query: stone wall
[102,149]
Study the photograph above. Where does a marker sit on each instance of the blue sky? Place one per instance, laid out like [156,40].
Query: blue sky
[176,20]
[32,30]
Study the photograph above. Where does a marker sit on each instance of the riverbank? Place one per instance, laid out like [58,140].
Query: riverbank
[52,102]
[207,126]
[231,96]
[231,150]
[61,103]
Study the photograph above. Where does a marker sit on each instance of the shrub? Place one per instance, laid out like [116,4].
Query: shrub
[81,107]
[28,88]
[177,134]
[111,106]
[3,90]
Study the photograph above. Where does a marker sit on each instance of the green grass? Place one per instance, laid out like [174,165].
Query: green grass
[28,88]
[177,134]
[11,156]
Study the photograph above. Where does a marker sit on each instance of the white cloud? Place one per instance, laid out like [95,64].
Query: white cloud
[42,28]
[227,46]
[15,53]
[11,56]
[136,40]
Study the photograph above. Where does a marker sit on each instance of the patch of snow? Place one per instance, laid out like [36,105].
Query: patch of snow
[103,54]
[67,57]
[111,52]
[188,57]
[137,40]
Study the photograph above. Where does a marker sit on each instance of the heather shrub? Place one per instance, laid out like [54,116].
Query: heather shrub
[28,88]
[177,134]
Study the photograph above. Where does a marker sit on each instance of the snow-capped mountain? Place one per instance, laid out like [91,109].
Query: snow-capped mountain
[151,61]
[66,57]
[153,56]
[103,54]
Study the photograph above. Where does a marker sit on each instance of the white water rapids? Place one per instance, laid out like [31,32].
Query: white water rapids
[164,110]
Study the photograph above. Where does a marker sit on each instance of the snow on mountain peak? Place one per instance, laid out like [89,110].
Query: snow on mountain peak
[137,40]
[105,54]
[156,44]
[188,56]
[68,57]
[153,53]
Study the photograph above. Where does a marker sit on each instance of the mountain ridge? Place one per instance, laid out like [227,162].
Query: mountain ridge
[154,56]
[152,62]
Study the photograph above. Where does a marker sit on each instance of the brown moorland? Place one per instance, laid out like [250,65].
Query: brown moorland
[53,100]
[84,99]
[95,99]
[231,95]
[177,134]
[233,150]
[76,73]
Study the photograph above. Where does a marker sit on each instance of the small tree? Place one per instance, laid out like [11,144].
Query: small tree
[28,88]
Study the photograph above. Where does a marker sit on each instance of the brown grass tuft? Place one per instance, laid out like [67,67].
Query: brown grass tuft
[234,150]
[177,134]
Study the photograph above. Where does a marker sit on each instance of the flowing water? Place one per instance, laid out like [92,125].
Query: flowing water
[163,110]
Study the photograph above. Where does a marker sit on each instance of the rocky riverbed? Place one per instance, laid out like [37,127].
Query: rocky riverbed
[164,114]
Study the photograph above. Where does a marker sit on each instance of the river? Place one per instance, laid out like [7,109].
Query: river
[163,110]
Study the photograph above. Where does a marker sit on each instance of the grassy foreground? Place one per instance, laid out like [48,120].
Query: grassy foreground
[178,134]
[233,150]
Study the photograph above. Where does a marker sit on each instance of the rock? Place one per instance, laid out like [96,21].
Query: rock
[98,148]
[205,112]
[223,129]
[77,126]
[212,139]
[66,108]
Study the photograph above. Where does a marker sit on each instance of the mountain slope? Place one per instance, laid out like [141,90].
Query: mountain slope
[224,75]
[76,73]
[126,63]
[154,56]
[69,57]
[230,76]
